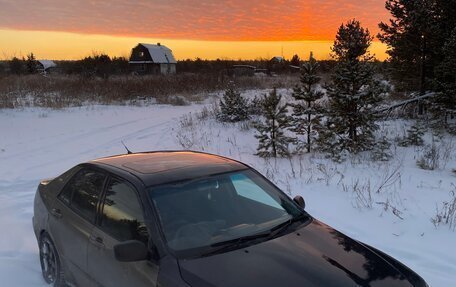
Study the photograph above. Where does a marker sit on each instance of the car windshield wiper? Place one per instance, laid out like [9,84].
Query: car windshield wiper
[284,225]
[234,243]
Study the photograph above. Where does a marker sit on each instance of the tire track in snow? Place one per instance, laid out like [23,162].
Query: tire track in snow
[111,143]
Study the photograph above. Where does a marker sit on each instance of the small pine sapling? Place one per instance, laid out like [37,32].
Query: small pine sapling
[381,150]
[272,140]
[233,107]
[328,142]
[414,136]
[255,106]
[306,112]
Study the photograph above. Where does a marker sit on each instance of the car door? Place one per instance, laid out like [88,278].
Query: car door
[120,219]
[72,220]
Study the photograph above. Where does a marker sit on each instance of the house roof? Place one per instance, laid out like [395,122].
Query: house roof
[160,54]
[278,59]
[47,64]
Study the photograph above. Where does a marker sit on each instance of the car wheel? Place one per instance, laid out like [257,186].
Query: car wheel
[50,262]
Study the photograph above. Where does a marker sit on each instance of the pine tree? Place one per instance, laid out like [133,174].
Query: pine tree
[233,107]
[381,151]
[414,136]
[16,66]
[353,91]
[446,81]
[410,38]
[415,35]
[256,106]
[30,64]
[328,141]
[272,140]
[306,112]
[295,61]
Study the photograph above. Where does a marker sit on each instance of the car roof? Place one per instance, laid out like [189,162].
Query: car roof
[161,167]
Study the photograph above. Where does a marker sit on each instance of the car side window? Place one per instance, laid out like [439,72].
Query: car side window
[122,216]
[82,192]
[245,187]
[59,182]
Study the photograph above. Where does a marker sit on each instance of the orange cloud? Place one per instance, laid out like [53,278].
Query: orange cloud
[221,20]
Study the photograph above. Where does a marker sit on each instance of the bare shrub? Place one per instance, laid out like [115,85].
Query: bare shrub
[60,91]
[271,169]
[447,148]
[328,172]
[246,125]
[177,101]
[186,140]
[191,136]
[365,191]
[390,176]
[207,112]
[436,155]
[362,192]
[186,121]
[446,213]
[430,159]
[194,140]
[387,206]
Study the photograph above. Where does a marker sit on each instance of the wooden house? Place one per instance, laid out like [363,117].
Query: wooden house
[45,66]
[152,59]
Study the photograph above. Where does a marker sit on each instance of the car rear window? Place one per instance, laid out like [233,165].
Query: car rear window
[82,192]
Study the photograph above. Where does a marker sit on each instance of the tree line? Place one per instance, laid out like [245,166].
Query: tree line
[345,123]
[341,116]
[421,40]
[96,65]
[102,66]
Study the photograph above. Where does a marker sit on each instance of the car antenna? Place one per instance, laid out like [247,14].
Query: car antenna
[128,151]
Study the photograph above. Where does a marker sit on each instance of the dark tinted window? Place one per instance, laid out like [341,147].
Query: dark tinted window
[59,182]
[122,215]
[82,192]
[65,195]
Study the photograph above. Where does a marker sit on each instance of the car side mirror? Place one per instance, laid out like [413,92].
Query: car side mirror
[300,201]
[131,251]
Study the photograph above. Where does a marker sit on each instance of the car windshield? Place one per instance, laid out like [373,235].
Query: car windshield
[206,212]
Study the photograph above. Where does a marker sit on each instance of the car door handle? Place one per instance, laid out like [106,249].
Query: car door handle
[97,241]
[56,213]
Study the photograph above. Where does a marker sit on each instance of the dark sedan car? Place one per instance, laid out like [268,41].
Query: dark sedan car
[192,219]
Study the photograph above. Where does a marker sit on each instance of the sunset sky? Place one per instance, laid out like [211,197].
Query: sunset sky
[247,29]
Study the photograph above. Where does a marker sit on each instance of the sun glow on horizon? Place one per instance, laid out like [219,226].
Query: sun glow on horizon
[73,46]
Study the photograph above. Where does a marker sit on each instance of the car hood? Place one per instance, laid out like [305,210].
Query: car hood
[315,255]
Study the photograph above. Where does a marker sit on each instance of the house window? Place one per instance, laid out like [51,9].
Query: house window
[141,54]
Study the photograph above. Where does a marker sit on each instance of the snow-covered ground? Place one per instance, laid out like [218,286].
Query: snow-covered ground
[387,205]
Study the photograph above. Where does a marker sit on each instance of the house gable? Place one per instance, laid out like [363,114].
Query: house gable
[140,54]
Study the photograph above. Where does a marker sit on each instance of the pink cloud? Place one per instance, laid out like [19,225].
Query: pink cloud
[193,19]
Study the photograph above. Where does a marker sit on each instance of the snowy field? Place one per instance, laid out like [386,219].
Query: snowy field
[387,205]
